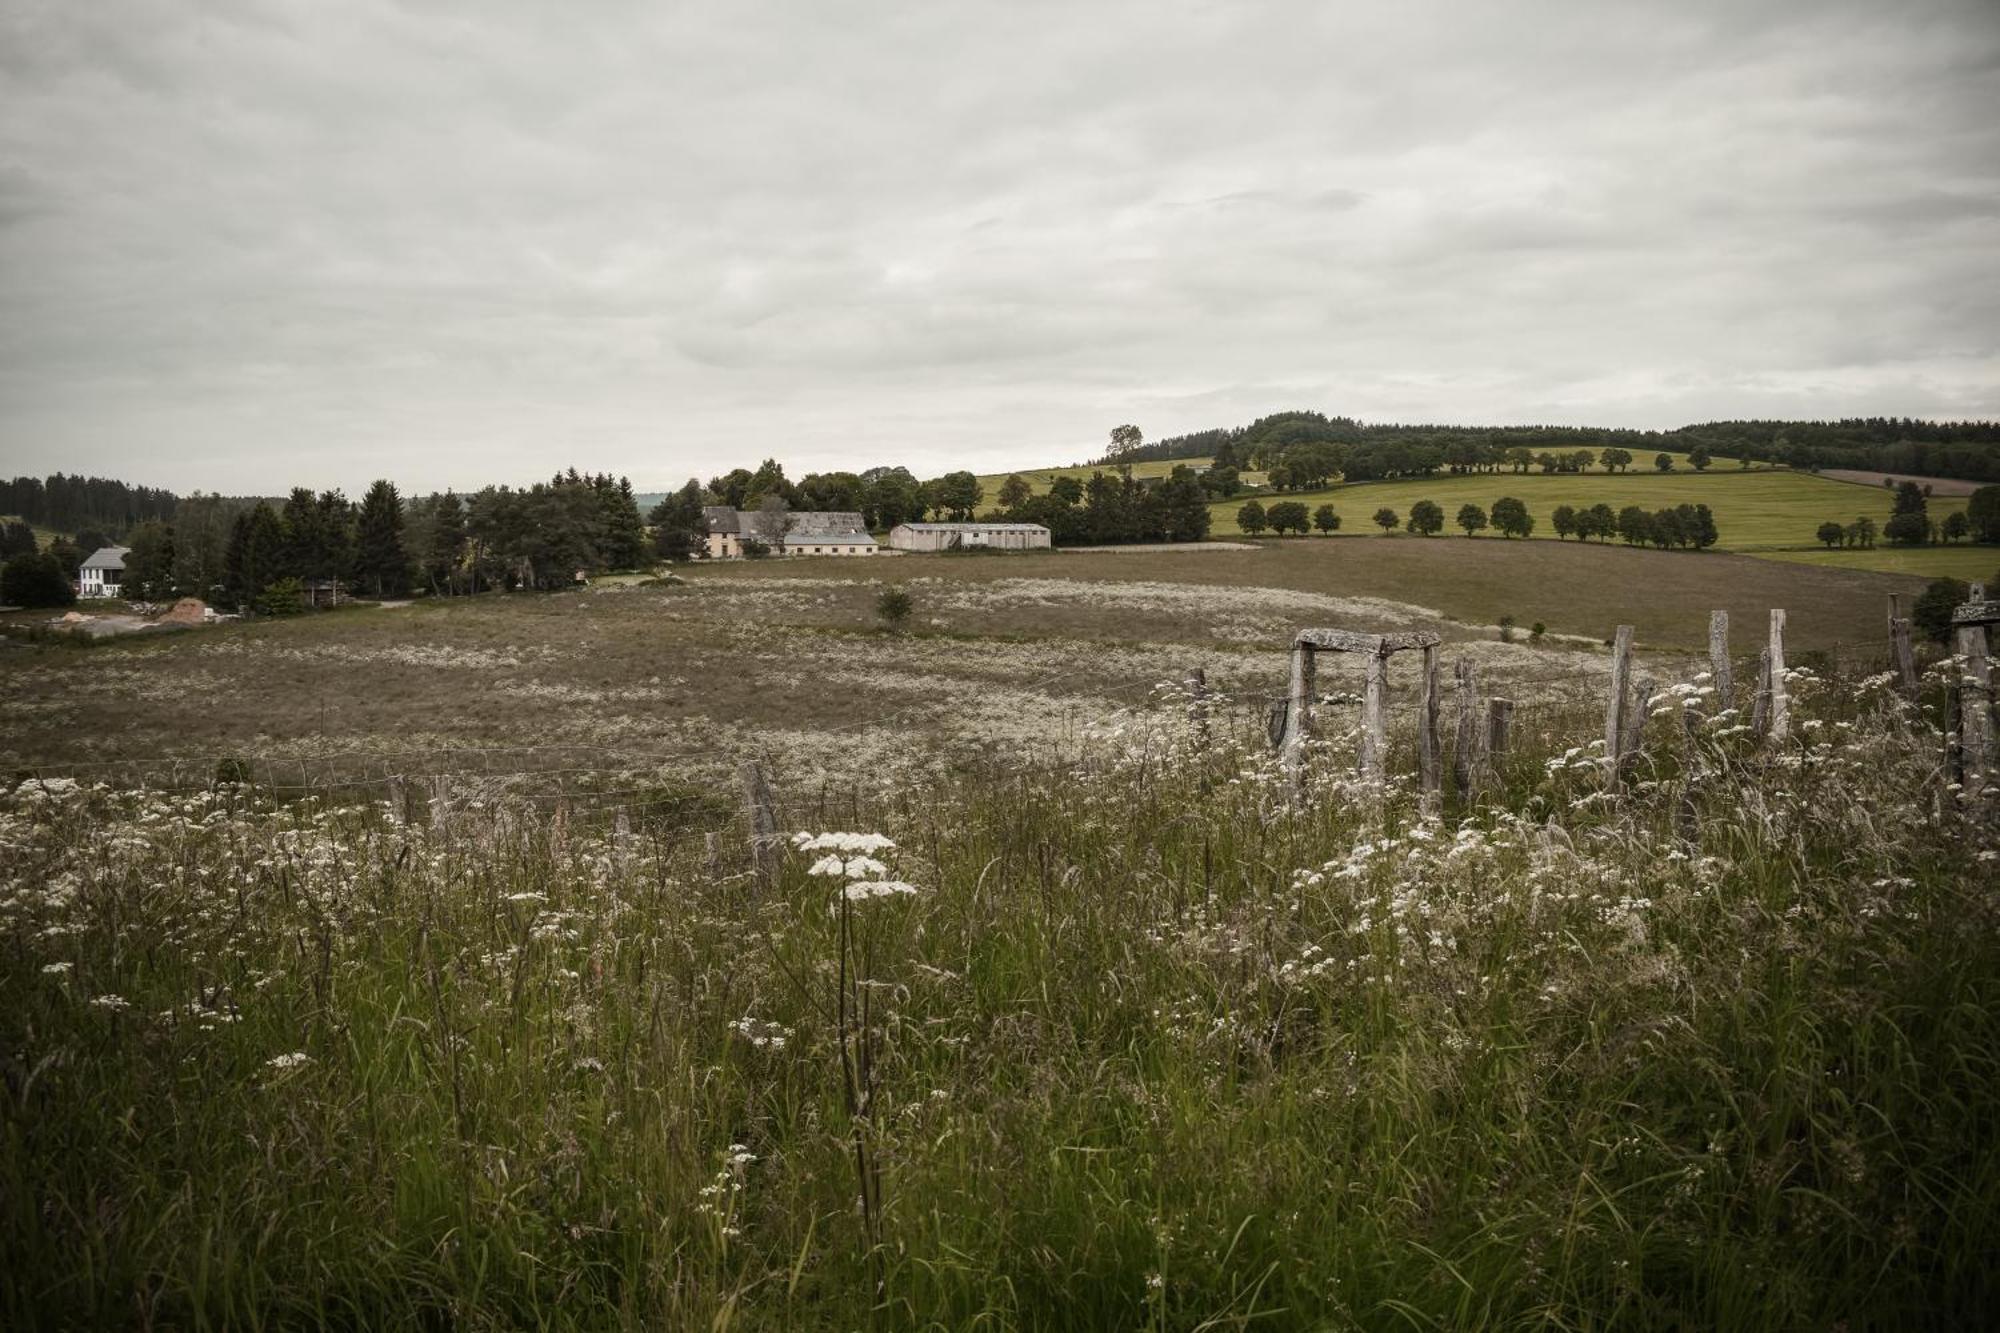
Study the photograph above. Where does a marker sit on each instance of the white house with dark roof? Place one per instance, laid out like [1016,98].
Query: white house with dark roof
[104,571]
[817,532]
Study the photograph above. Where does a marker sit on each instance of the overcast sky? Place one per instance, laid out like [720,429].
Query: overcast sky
[246,244]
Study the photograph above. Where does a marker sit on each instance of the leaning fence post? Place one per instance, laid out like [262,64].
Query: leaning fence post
[1374,709]
[1466,741]
[1719,672]
[1614,707]
[1906,658]
[1197,688]
[1781,716]
[1430,751]
[762,809]
[1975,708]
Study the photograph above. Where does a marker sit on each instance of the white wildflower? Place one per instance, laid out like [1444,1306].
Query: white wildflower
[56,969]
[112,1002]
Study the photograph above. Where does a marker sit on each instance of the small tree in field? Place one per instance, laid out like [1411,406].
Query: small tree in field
[1251,518]
[1325,519]
[1512,517]
[1426,518]
[1385,519]
[1664,462]
[1956,525]
[1564,520]
[1472,518]
[1289,516]
[1831,533]
[894,607]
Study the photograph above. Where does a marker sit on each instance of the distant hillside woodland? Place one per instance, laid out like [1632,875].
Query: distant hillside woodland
[1318,447]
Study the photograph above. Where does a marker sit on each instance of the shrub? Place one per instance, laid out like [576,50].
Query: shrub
[35,580]
[894,607]
[1385,519]
[754,549]
[286,597]
[1931,616]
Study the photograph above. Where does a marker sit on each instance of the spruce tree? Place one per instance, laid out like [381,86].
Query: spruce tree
[380,564]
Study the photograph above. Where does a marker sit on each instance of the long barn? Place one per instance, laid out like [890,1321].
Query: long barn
[969,536]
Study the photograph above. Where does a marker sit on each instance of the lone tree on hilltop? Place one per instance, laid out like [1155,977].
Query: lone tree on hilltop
[1472,518]
[1512,517]
[1124,439]
[1385,519]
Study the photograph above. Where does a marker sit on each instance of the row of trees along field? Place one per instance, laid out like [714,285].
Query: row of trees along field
[1683,527]
[1910,522]
[1303,449]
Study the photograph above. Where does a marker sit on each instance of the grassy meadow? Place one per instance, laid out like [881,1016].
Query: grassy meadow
[1126,1040]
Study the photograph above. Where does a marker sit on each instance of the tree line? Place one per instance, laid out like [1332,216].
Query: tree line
[1682,527]
[1910,522]
[1305,439]
[70,504]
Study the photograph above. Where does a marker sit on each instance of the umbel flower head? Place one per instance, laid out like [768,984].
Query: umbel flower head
[862,843]
[866,876]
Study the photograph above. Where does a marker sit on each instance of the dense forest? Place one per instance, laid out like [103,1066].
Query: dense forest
[71,504]
[1967,449]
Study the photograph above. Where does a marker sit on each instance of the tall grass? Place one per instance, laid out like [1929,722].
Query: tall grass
[1151,1047]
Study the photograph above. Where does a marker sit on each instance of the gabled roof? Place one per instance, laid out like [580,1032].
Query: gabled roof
[720,518]
[107,557]
[818,521]
[830,539]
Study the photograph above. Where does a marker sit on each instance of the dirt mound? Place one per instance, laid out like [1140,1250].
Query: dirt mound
[187,611]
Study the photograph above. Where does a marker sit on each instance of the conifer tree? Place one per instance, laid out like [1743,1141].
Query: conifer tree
[380,564]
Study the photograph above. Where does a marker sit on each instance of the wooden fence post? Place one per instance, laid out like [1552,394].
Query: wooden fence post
[1686,815]
[1430,750]
[1298,715]
[1720,674]
[1374,715]
[440,799]
[1975,708]
[1614,707]
[1906,658]
[1197,688]
[1499,722]
[1781,713]
[762,808]
[1895,610]
[1760,711]
[1466,743]
[1635,725]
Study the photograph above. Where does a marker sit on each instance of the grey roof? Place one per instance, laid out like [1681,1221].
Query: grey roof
[830,539]
[827,520]
[720,518]
[973,527]
[107,557]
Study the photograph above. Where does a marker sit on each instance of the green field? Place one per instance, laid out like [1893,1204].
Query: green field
[1762,512]
[1039,478]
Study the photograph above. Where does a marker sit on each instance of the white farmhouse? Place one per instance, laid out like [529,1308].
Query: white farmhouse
[829,532]
[969,536]
[105,571]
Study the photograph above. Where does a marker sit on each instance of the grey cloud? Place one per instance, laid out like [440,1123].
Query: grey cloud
[273,242]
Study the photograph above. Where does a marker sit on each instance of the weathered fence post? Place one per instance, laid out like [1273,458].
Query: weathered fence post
[440,799]
[1499,722]
[621,836]
[1895,611]
[712,854]
[1197,688]
[1374,716]
[1614,707]
[1430,750]
[1975,692]
[1781,713]
[1686,815]
[762,809]
[1905,655]
[1719,671]
[399,802]
[1466,742]
[1760,710]
[1298,715]
[1635,725]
